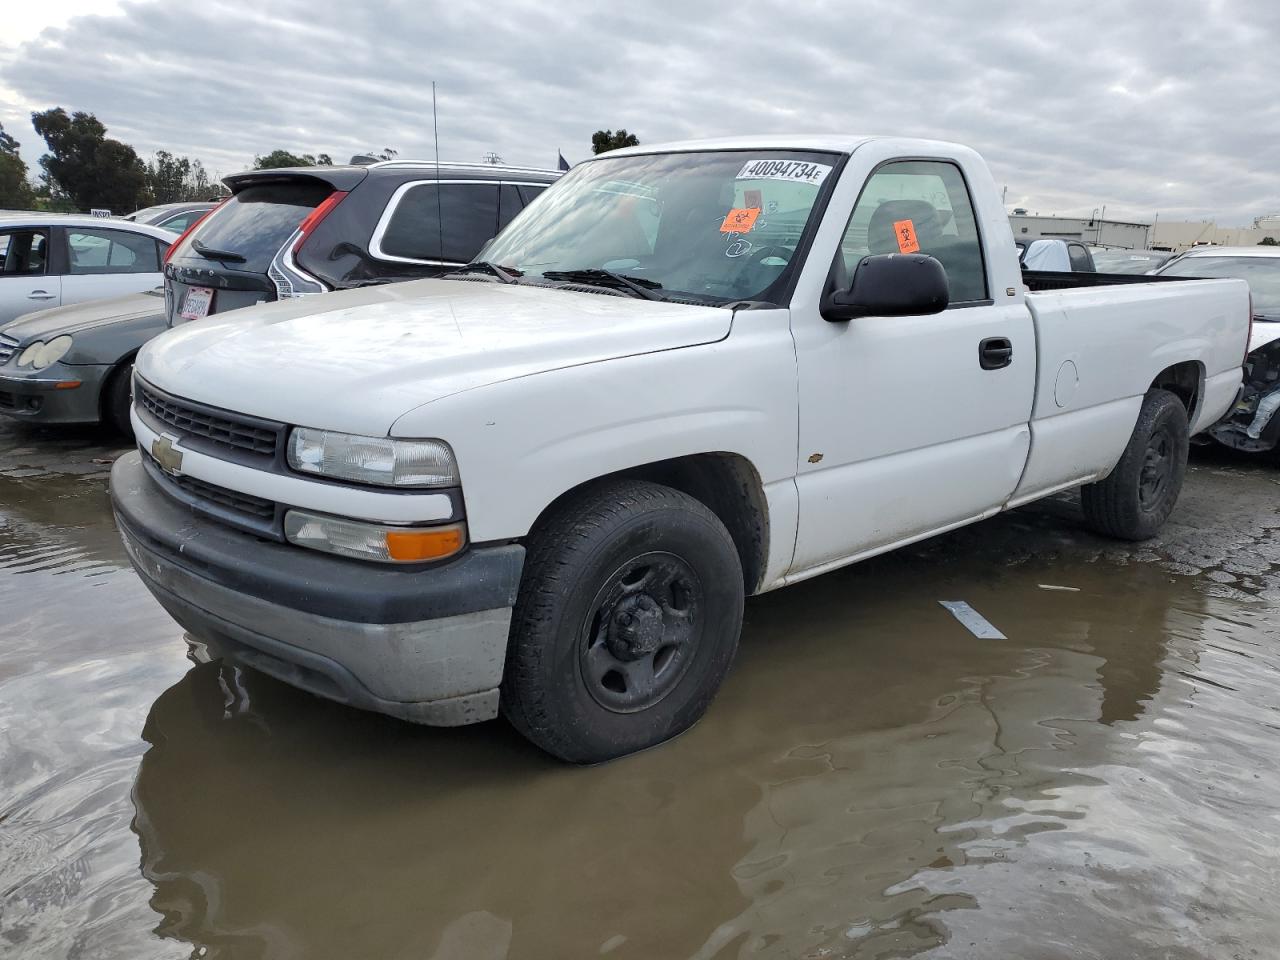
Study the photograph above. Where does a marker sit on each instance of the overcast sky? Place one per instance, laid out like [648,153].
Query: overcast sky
[1167,107]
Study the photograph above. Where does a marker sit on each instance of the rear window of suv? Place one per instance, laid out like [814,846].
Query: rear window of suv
[258,220]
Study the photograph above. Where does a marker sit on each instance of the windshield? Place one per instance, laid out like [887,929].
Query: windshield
[1127,261]
[1263,274]
[714,226]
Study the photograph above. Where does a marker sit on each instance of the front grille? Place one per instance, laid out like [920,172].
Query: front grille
[7,400]
[8,345]
[220,427]
[241,503]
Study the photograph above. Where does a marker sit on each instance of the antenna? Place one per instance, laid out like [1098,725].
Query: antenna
[435,135]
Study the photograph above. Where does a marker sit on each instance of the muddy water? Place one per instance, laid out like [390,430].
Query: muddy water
[874,781]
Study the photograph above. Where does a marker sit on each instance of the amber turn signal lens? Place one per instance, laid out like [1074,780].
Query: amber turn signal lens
[67,384]
[432,543]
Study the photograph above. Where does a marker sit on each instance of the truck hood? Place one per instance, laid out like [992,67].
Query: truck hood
[79,317]
[357,360]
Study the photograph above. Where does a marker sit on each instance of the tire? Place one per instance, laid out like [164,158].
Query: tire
[626,623]
[1136,499]
[117,398]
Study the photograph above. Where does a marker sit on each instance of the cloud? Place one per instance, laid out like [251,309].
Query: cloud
[1138,107]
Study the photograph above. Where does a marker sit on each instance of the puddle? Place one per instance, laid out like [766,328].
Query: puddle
[874,780]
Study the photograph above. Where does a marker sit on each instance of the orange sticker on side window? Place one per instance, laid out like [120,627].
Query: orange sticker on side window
[905,231]
[740,220]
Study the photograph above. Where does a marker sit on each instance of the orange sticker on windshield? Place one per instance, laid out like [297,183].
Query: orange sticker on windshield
[740,220]
[905,231]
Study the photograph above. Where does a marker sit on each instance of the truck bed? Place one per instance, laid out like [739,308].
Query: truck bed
[1040,280]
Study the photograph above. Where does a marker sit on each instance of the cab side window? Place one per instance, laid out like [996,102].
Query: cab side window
[924,203]
[24,253]
[110,251]
[1081,261]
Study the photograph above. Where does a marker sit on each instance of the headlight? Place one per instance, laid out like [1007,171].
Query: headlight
[371,541]
[39,355]
[377,460]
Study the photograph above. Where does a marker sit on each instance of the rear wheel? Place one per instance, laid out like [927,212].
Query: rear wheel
[626,624]
[1136,499]
[117,397]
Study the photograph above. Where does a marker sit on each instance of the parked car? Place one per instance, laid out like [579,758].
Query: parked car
[298,231]
[1128,261]
[1057,256]
[544,484]
[52,259]
[72,364]
[1253,426]
[173,216]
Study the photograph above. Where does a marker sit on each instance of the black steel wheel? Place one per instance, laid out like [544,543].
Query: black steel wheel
[626,624]
[1135,500]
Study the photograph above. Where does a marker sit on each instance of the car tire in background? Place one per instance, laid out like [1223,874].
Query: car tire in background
[626,624]
[1135,500]
[117,398]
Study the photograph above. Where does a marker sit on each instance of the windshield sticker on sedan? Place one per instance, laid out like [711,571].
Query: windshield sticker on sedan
[740,220]
[793,171]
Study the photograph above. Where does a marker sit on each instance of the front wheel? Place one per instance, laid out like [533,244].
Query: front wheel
[1136,499]
[626,624]
[117,397]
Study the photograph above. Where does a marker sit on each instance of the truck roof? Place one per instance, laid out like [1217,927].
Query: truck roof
[832,143]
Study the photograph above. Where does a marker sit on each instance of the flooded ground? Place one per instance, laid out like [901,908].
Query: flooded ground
[874,781]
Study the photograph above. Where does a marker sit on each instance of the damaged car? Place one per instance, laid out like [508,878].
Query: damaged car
[1253,424]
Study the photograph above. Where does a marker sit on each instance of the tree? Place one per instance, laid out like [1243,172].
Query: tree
[1269,242]
[603,140]
[283,158]
[85,166]
[15,188]
[173,179]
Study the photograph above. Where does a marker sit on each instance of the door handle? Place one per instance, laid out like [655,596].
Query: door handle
[995,352]
[41,295]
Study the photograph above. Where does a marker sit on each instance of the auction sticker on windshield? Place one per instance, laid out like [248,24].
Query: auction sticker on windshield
[197,303]
[793,171]
[740,220]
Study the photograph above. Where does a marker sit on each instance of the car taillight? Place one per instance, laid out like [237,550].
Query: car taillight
[187,232]
[315,216]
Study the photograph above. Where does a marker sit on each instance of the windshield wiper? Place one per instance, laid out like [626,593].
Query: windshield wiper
[505,274]
[641,287]
[211,253]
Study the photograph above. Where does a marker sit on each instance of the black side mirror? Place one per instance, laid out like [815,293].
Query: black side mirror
[890,285]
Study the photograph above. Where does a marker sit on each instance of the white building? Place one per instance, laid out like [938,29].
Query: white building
[1094,231]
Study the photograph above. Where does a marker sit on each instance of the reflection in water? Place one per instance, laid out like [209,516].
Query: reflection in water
[873,781]
[859,790]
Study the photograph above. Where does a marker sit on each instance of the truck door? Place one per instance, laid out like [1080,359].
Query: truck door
[911,425]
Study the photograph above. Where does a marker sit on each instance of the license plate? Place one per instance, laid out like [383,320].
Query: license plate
[197,302]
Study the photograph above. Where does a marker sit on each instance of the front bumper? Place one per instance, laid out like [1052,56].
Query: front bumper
[425,644]
[37,397]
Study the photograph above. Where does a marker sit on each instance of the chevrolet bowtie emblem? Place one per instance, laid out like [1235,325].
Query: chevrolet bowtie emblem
[166,455]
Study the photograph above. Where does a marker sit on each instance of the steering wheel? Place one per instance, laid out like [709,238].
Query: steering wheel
[758,257]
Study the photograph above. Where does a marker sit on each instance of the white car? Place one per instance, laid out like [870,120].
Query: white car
[1253,425]
[49,260]
[544,483]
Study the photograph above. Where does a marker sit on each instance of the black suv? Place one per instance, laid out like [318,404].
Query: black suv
[302,230]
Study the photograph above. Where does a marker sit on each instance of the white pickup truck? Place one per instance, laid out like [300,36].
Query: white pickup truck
[684,374]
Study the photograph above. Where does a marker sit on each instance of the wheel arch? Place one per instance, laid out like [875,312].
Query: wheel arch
[727,484]
[119,368]
[1185,380]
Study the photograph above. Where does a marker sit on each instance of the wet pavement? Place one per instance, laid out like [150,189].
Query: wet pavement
[873,781]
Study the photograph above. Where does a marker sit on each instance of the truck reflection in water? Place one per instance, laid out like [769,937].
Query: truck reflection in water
[873,781]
